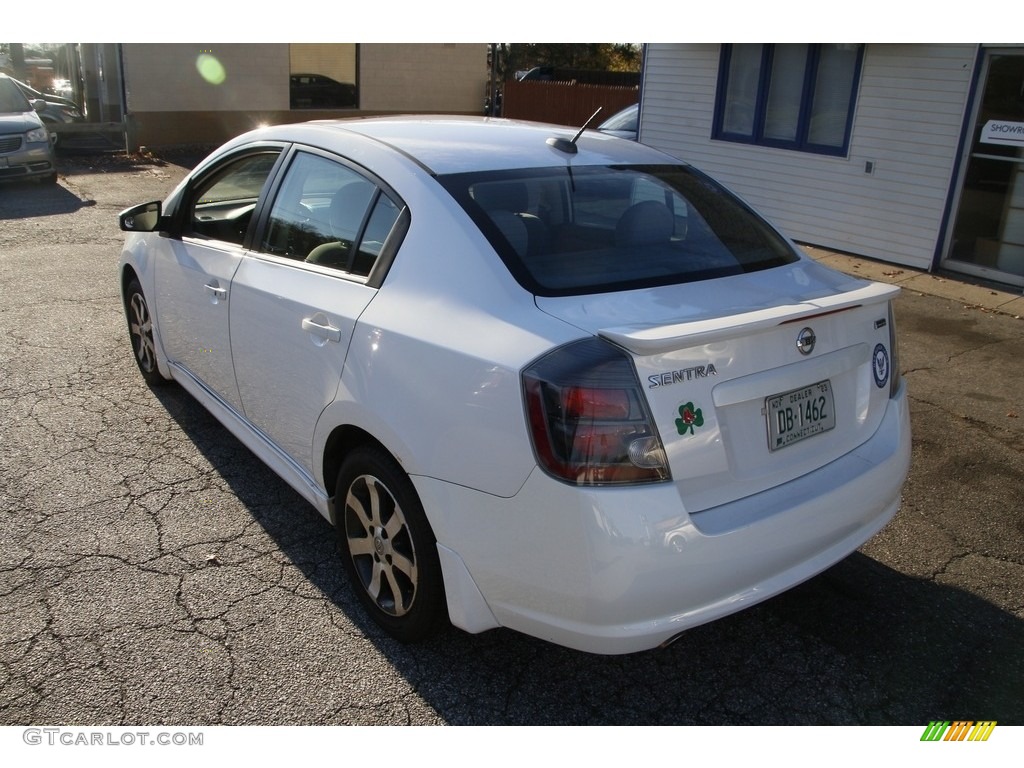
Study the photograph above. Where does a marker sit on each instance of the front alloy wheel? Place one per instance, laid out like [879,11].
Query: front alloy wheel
[387,546]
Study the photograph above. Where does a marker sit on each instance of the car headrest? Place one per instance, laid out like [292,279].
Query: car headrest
[645,223]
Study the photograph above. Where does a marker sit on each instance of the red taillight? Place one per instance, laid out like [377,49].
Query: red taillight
[588,418]
[589,403]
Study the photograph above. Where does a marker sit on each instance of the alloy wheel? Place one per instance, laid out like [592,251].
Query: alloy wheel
[380,545]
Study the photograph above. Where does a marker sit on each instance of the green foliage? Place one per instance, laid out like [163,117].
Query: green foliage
[613,57]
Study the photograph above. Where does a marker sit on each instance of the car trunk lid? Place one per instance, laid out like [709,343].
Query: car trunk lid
[752,380]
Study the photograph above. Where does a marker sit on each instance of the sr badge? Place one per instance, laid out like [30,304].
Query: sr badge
[880,366]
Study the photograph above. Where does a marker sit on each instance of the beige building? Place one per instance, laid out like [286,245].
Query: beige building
[179,93]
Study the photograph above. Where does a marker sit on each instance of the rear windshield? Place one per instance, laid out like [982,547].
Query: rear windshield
[566,231]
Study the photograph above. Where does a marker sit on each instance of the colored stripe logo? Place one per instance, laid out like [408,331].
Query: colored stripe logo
[959,730]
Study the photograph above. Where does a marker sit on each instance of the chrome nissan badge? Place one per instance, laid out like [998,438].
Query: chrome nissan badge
[805,341]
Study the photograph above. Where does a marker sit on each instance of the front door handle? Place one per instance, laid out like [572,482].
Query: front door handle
[324,331]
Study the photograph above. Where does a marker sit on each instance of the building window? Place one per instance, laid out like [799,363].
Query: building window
[793,96]
[324,75]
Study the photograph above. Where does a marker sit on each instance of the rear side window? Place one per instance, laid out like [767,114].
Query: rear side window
[327,214]
[590,229]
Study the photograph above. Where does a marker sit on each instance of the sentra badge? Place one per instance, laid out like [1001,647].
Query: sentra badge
[683,374]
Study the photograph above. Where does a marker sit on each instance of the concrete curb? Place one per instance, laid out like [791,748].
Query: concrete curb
[943,286]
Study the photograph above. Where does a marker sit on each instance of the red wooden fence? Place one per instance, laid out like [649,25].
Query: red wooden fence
[564,103]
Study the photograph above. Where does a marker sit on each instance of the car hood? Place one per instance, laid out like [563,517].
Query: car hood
[19,122]
[59,101]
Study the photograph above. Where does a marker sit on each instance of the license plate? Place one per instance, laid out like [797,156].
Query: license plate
[798,414]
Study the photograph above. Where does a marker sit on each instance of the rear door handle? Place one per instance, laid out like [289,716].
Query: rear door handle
[327,332]
[218,293]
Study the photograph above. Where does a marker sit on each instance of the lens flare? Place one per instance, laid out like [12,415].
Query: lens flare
[210,69]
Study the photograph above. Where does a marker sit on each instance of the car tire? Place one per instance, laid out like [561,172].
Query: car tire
[140,331]
[387,546]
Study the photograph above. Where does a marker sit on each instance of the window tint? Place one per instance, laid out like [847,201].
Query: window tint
[594,229]
[328,214]
[792,96]
[382,223]
[223,203]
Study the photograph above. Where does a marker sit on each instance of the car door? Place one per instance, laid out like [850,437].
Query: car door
[296,298]
[193,275]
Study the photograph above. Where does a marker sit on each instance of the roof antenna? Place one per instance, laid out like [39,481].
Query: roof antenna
[569,146]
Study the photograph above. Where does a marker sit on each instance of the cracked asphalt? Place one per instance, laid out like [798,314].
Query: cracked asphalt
[152,571]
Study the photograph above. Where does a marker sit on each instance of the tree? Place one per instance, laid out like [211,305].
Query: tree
[614,57]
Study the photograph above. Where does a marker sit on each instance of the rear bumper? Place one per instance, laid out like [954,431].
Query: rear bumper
[623,570]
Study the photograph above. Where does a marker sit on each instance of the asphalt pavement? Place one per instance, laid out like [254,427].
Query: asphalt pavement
[152,571]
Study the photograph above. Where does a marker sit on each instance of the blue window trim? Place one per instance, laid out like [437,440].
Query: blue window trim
[801,144]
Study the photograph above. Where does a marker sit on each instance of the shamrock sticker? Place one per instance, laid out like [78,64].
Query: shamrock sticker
[689,417]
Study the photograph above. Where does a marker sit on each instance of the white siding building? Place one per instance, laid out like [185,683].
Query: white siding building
[877,150]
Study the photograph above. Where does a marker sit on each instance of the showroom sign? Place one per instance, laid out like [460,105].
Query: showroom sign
[1003,132]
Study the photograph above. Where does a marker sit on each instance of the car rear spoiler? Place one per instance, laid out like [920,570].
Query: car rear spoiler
[652,340]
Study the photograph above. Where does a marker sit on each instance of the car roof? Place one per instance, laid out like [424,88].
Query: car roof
[459,144]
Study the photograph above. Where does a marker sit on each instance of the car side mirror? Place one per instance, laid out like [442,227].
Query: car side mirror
[147,217]
[38,105]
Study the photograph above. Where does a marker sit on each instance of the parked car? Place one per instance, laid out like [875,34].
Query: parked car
[566,385]
[310,91]
[624,124]
[57,111]
[25,147]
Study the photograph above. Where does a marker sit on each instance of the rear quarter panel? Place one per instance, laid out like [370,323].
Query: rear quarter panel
[433,371]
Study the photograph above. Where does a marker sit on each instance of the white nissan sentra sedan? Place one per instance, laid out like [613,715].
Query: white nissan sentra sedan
[563,384]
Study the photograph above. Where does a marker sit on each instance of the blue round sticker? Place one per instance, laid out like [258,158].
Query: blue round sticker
[880,365]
